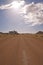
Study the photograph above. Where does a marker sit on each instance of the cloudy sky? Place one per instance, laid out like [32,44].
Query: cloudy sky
[21,15]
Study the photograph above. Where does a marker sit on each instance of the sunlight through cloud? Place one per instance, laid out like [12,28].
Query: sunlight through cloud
[31,13]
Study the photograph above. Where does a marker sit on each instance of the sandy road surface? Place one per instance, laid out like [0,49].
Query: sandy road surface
[21,50]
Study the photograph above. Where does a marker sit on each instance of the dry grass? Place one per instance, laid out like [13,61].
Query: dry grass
[27,35]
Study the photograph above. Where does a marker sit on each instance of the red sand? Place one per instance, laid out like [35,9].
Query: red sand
[21,50]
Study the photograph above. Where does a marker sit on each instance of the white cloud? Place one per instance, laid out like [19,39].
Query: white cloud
[4,6]
[32,12]
[14,4]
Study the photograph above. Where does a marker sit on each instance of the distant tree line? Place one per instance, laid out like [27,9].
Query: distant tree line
[13,32]
[1,32]
[10,32]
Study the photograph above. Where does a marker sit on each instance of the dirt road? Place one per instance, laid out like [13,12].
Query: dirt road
[21,50]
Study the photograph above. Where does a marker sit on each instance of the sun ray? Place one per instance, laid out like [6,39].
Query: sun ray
[17,4]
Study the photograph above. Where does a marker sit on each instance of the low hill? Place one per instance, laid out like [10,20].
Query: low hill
[39,32]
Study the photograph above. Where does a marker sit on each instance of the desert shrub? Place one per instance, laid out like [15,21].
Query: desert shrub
[13,32]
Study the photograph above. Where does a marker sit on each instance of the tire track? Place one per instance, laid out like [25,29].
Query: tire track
[24,54]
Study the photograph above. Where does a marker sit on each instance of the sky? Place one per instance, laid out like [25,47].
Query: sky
[24,16]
